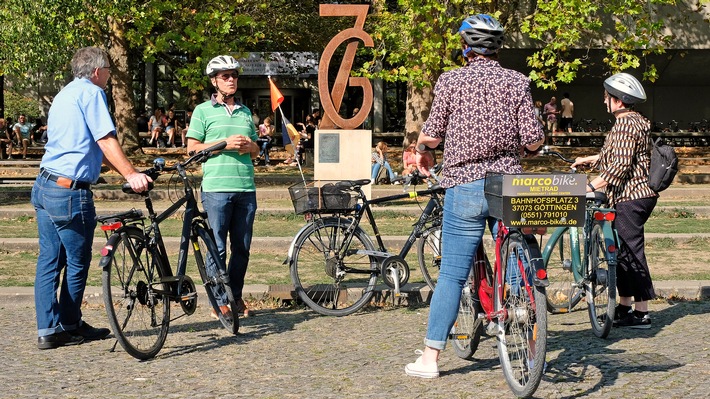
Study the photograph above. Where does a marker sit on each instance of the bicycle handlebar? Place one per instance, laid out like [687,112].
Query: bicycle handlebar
[547,151]
[160,168]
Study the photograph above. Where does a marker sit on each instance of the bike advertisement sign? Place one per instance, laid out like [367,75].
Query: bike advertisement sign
[531,200]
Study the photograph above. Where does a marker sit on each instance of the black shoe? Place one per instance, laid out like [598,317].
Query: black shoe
[633,321]
[56,340]
[621,312]
[91,333]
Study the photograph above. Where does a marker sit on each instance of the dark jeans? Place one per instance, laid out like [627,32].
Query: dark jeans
[232,214]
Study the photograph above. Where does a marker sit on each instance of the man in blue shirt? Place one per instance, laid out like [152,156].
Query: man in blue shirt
[81,136]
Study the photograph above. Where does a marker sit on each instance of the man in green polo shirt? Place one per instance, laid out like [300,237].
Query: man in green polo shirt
[228,190]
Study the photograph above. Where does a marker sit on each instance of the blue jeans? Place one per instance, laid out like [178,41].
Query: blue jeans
[66,220]
[232,214]
[376,170]
[465,216]
[264,149]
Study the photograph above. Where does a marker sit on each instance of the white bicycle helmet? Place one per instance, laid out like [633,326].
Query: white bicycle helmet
[482,33]
[221,63]
[625,87]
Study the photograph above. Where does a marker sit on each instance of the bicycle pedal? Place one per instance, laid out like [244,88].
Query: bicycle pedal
[189,296]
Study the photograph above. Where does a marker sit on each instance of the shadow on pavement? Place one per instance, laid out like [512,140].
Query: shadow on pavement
[626,350]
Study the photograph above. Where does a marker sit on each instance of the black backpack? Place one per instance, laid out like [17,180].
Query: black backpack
[664,166]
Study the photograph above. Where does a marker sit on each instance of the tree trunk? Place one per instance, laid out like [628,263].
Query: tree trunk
[121,89]
[418,105]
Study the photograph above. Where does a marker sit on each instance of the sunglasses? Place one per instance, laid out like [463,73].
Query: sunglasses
[226,76]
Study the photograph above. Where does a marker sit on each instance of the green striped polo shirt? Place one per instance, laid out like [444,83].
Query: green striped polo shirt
[228,171]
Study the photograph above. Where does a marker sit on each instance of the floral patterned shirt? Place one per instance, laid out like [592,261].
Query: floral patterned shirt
[484,113]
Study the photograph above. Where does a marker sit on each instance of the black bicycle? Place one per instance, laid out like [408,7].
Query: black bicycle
[334,262]
[138,281]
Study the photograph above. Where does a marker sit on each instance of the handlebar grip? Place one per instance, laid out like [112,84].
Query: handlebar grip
[217,147]
[126,188]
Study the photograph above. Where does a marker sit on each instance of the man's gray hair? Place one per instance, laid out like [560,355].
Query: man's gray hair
[86,60]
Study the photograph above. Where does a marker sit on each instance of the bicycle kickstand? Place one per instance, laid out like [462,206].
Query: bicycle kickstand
[395,280]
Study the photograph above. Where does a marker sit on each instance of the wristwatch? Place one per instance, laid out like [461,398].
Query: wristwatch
[421,148]
[591,187]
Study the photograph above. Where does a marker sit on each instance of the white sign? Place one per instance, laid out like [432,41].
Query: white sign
[280,63]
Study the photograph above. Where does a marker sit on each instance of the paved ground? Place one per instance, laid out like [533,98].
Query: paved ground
[295,353]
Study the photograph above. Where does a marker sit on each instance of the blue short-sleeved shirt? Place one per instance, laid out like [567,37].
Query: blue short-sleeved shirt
[78,118]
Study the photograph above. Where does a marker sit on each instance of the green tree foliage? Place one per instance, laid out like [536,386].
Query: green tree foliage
[185,35]
[415,38]
[16,104]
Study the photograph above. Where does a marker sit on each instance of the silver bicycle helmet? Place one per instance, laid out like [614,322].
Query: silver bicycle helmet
[482,33]
[221,63]
[625,87]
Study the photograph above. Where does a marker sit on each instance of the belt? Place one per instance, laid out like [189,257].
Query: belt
[65,181]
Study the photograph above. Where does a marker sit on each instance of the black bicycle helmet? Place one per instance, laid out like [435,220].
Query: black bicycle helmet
[625,87]
[221,63]
[482,33]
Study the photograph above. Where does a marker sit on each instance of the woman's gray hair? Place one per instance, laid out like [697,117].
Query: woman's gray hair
[86,60]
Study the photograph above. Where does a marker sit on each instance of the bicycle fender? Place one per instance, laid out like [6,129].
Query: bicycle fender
[610,241]
[536,261]
[293,243]
[107,250]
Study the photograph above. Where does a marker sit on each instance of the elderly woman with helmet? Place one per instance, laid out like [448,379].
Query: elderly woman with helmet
[486,115]
[228,189]
[623,163]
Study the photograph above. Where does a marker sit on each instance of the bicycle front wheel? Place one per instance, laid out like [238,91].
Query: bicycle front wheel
[329,270]
[601,285]
[563,293]
[429,254]
[138,311]
[215,278]
[522,319]
[465,334]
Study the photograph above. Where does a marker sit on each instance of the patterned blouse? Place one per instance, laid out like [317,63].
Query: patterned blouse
[485,114]
[625,158]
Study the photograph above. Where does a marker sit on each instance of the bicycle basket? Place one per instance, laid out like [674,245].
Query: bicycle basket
[321,196]
[536,200]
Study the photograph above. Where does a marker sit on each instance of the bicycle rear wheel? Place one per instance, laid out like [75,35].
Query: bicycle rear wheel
[429,254]
[563,293]
[465,334]
[330,277]
[215,278]
[522,319]
[601,285]
[138,312]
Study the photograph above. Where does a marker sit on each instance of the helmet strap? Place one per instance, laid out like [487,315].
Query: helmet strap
[223,94]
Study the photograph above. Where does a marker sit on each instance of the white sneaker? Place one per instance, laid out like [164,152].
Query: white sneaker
[417,369]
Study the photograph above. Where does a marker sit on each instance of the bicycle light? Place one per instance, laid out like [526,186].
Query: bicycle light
[106,250]
[111,227]
[541,274]
[608,216]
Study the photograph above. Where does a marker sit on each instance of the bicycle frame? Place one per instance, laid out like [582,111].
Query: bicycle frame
[579,262]
[433,203]
[365,209]
[191,217]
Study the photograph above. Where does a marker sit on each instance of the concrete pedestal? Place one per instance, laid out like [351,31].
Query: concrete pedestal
[343,155]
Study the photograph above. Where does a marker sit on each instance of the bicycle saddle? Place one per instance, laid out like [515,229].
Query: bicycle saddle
[352,184]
